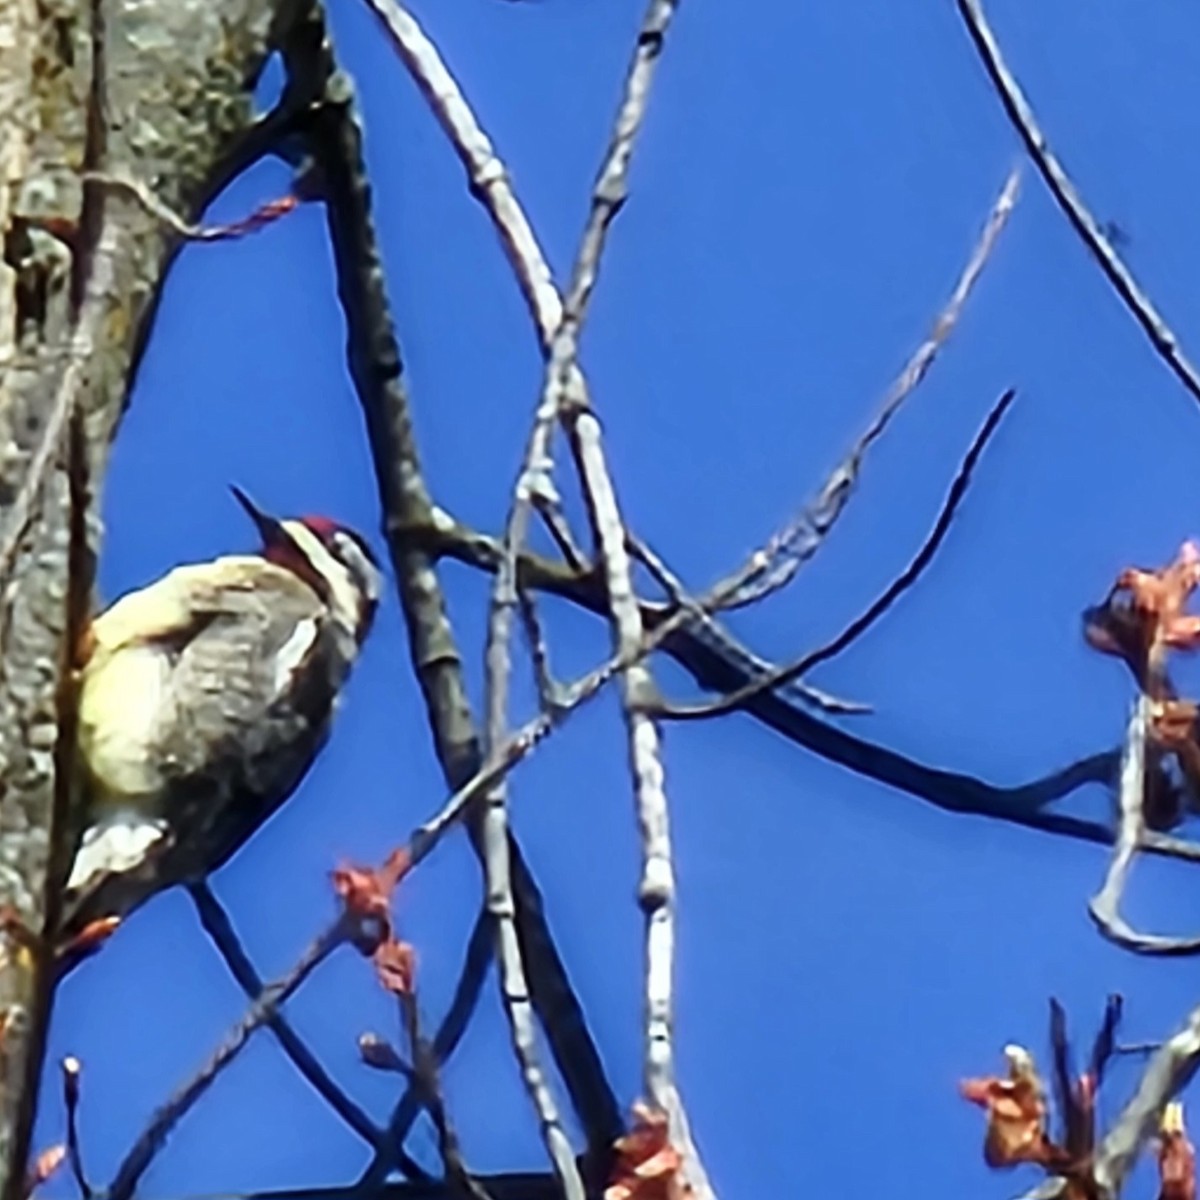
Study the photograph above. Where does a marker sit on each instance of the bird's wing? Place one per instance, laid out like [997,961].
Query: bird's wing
[172,607]
[248,665]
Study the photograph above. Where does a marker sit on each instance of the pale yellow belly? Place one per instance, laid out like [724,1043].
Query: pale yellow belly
[120,709]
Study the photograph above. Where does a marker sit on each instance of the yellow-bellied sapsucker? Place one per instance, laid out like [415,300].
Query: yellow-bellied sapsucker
[203,700]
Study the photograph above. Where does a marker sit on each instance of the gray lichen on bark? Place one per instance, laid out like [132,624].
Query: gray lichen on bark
[178,81]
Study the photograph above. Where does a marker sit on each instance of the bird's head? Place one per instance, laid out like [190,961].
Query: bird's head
[333,559]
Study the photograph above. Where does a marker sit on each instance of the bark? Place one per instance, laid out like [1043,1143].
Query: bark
[170,106]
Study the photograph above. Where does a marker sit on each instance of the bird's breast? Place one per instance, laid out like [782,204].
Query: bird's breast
[120,706]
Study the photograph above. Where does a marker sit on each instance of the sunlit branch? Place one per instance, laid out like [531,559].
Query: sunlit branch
[1105,906]
[334,137]
[1169,1071]
[801,538]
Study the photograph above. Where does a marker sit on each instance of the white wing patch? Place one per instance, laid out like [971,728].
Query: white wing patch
[118,844]
[293,652]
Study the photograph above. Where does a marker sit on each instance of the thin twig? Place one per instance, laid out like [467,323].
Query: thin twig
[1105,906]
[514,989]
[1167,1074]
[266,214]
[445,1041]
[487,175]
[905,580]
[425,1071]
[549,690]
[154,1136]
[715,666]
[1025,121]
[515,993]
[801,538]
[215,922]
[71,1071]
[549,508]
[564,385]
[705,626]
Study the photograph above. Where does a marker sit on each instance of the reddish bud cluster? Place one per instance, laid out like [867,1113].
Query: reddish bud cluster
[1016,1113]
[1141,620]
[1176,1157]
[366,893]
[647,1166]
[44,1166]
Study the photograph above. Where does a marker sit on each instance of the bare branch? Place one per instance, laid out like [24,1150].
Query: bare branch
[515,994]
[445,1041]
[1105,906]
[374,356]
[1025,121]
[216,923]
[801,538]
[565,388]
[704,626]
[71,1070]
[260,218]
[425,1071]
[550,692]
[154,1136]
[713,666]
[905,580]
[549,508]
[487,176]
[1167,1074]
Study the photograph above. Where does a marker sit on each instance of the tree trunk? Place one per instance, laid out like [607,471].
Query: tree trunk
[170,106]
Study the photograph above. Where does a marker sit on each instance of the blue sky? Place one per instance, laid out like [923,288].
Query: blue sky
[809,183]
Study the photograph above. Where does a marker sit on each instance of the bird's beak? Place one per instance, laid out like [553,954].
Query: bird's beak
[270,528]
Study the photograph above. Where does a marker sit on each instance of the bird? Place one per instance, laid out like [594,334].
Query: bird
[202,701]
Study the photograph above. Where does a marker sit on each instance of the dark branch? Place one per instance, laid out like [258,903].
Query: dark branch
[445,1042]
[217,925]
[1025,121]
[509,1186]
[714,666]
[901,584]
[154,1137]
[335,140]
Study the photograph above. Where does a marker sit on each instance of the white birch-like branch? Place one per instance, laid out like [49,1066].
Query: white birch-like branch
[1169,1071]
[1105,906]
